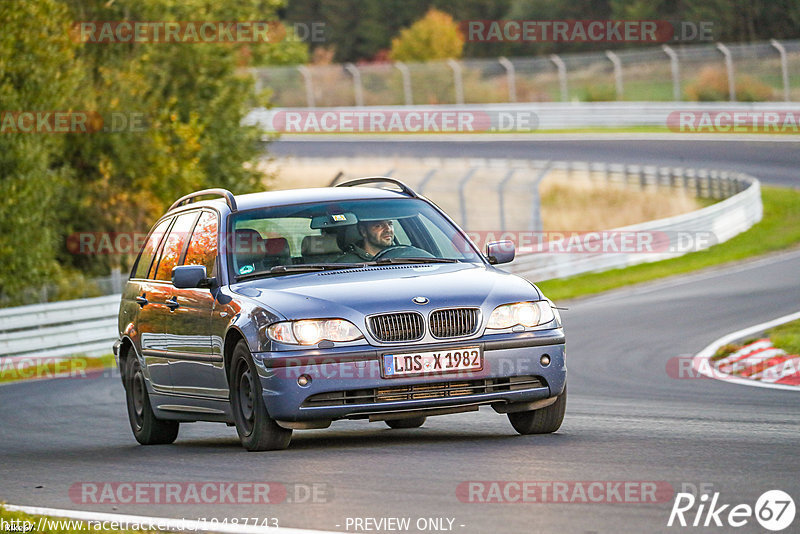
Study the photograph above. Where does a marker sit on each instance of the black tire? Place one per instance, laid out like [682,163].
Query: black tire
[146,428]
[411,422]
[257,431]
[543,421]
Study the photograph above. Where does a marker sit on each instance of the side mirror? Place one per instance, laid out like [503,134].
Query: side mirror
[191,276]
[500,252]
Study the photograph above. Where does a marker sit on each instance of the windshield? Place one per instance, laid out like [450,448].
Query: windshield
[340,233]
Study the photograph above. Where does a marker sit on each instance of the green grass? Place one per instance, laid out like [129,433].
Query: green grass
[725,350]
[61,367]
[640,129]
[55,525]
[597,129]
[778,230]
[786,337]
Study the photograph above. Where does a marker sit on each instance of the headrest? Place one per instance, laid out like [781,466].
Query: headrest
[277,246]
[317,245]
[347,236]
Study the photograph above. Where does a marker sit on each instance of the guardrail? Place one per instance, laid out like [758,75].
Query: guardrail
[83,326]
[89,326]
[526,117]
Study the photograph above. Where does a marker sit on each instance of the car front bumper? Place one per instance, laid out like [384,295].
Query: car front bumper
[346,382]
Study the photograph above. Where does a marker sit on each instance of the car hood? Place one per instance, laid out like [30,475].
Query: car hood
[354,293]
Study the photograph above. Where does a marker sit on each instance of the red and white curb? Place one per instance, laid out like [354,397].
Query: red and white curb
[161,523]
[757,364]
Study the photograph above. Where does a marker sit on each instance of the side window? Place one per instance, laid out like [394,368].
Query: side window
[449,246]
[149,250]
[400,234]
[202,249]
[173,246]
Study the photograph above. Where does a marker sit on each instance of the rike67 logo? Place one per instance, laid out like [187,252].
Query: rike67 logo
[774,510]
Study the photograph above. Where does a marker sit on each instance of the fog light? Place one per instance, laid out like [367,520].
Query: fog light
[303,380]
[545,360]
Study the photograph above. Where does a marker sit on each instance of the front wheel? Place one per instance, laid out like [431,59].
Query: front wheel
[257,431]
[542,421]
[411,422]
[146,428]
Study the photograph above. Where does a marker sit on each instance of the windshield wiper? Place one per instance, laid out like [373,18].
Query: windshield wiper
[310,267]
[295,269]
[390,261]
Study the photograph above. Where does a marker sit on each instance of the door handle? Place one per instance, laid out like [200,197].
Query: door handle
[171,303]
[142,300]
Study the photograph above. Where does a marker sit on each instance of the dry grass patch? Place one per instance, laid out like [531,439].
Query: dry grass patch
[583,205]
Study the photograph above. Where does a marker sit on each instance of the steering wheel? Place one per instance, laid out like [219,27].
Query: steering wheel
[402,251]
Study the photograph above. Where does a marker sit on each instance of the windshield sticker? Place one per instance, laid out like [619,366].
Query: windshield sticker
[244,269]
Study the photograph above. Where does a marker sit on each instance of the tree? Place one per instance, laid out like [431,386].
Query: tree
[435,36]
[182,105]
[36,74]
[192,98]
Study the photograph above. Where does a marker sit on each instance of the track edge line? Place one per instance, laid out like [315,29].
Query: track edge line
[701,363]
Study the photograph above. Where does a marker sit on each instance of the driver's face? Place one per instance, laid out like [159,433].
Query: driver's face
[379,234]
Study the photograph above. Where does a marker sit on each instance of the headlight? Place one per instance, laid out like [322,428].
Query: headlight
[312,331]
[521,313]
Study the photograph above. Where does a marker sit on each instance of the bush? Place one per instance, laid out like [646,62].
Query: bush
[711,85]
[435,36]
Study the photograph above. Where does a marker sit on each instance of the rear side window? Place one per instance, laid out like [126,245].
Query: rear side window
[149,250]
[173,246]
[202,249]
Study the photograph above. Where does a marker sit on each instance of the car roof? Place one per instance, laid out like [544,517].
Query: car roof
[301,196]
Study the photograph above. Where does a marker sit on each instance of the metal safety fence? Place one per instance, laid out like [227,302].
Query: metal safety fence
[744,72]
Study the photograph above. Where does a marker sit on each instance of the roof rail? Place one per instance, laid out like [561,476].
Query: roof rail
[378,179]
[229,198]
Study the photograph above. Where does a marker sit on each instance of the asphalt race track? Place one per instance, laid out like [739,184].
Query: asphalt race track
[774,162]
[627,418]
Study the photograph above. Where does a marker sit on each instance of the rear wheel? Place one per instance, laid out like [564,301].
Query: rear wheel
[256,429]
[542,421]
[146,428]
[411,422]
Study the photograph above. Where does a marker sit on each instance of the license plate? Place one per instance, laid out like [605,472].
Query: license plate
[432,363]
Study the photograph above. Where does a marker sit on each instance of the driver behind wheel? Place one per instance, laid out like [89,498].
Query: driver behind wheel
[375,237]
